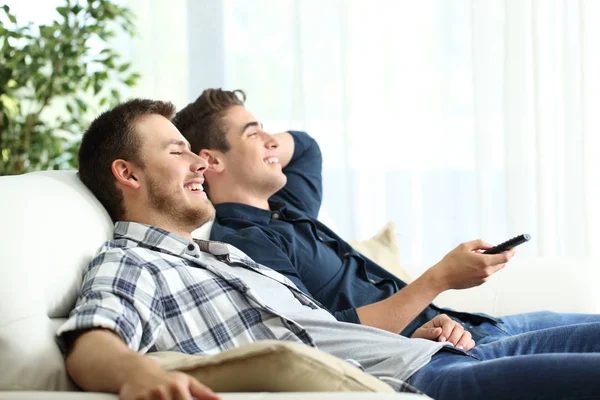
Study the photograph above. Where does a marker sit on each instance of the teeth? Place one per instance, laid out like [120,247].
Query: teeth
[272,160]
[193,186]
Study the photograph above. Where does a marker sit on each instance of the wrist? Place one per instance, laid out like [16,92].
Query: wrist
[138,368]
[434,279]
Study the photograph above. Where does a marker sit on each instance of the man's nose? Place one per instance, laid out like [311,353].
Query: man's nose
[199,165]
[270,141]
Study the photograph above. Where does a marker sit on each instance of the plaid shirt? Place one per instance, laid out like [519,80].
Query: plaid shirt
[161,292]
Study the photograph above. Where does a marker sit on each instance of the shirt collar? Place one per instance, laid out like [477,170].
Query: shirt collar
[250,213]
[153,236]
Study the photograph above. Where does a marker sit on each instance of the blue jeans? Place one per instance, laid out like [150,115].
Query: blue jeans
[539,355]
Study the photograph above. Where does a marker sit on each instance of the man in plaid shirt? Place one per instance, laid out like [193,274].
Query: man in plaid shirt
[154,288]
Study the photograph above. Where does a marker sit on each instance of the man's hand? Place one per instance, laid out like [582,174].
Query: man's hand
[100,361]
[163,385]
[466,267]
[444,329]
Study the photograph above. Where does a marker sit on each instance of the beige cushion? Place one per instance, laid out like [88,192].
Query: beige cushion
[383,249]
[273,366]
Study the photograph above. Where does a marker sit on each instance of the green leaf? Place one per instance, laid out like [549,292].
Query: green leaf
[81,104]
[124,67]
[62,11]
[115,95]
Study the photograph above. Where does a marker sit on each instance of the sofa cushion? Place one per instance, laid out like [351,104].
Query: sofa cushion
[273,366]
[383,249]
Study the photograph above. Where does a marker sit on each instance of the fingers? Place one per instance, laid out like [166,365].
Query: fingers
[201,392]
[477,245]
[454,333]
[427,333]
[465,342]
[444,329]
[179,387]
[158,393]
[447,325]
[501,258]
[173,390]
[180,393]
[457,333]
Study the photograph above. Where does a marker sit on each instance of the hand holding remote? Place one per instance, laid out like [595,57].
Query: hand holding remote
[466,266]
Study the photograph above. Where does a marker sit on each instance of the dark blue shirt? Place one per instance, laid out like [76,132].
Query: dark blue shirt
[290,240]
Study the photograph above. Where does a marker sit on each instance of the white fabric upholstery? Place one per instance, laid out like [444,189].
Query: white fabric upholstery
[51,227]
[525,285]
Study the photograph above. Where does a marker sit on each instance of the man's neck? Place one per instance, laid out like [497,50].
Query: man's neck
[249,199]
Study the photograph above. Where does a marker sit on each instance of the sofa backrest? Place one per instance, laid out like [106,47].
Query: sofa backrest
[50,228]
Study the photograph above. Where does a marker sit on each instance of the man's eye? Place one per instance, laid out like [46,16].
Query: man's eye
[177,152]
[252,134]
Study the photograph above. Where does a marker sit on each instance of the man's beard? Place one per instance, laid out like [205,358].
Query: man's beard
[190,217]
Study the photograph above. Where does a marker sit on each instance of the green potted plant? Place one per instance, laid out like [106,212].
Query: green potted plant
[54,78]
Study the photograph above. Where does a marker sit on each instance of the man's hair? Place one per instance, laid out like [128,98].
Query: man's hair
[110,137]
[201,121]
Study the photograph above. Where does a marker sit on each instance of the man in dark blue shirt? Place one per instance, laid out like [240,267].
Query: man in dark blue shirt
[267,191]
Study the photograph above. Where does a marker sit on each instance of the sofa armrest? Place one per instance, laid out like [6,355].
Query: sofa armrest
[526,285]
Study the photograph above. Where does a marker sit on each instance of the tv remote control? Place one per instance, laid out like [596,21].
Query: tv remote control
[509,244]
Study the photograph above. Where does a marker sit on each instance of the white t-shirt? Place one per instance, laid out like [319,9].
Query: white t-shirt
[380,353]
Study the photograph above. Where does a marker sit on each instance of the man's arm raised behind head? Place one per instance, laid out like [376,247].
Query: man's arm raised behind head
[304,188]
[285,150]
[100,361]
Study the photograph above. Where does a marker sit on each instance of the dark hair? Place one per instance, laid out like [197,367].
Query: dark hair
[113,136]
[200,122]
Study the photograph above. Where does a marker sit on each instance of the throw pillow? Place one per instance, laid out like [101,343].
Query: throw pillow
[272,366]
[383,249]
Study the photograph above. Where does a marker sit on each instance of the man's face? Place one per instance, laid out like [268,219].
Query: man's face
[172,176]
[252,161]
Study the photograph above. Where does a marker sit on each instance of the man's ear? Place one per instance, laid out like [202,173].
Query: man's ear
[216,162]
[125,174]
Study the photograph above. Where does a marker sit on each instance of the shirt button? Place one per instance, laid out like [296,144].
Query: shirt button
[275,216]
[190,247]
[346,254]
[321,238]
[372,281]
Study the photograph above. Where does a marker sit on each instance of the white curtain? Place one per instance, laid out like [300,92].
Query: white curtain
[159,51]
[455,119]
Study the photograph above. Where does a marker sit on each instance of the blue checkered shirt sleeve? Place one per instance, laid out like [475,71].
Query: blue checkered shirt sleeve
[120,294]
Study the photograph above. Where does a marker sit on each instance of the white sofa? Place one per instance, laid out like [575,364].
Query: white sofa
[51,226]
